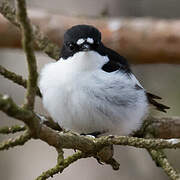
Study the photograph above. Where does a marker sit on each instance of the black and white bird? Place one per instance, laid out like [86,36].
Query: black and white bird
[91,89]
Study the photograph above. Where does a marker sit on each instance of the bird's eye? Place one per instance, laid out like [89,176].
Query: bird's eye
[71,46]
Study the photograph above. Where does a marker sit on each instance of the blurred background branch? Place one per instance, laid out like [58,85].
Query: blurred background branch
[142,40]
[42,41]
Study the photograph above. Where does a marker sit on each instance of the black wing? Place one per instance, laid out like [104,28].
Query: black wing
[116,61]
[151,98]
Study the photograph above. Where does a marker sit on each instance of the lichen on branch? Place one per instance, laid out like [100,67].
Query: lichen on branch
[42,41]
[18,79]
[99,148]
[161,160]
[12,129]
[62,164]
[12,142]
[27,42]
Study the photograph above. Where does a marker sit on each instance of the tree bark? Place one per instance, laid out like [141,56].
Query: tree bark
[140,40]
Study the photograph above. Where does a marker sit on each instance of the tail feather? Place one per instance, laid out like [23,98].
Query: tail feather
[159,106]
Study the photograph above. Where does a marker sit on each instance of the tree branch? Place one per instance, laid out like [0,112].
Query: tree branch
[18,79]
[27,42]
[99,148]
[20,140]
[12,129]
[13,77]
[160,127]
[141,40]
[9,12]
[41,40]
[70,140]
[161,160]
[61,165]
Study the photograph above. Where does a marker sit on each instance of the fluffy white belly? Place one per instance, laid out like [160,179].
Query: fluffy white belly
[92,101]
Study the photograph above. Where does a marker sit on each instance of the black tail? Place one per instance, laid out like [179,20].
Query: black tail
[159,106]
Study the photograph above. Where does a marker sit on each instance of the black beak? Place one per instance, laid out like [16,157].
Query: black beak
[85,47]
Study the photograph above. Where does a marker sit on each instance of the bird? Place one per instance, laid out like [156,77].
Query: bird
[91,89]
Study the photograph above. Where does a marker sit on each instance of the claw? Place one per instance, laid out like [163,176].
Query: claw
[99,161]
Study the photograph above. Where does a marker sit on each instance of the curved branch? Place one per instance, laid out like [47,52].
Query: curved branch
[141,40]
[61,165]
[161,160]
[41,40]
[13,77]
[20,140]
[70,140]
[12,129]
[27,42]
[160,127]
[18,79]
[100,148]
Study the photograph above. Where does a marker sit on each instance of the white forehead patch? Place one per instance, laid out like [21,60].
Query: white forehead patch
[80,41]
[90,40]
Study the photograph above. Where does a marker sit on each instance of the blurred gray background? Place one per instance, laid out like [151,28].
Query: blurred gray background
[27,162]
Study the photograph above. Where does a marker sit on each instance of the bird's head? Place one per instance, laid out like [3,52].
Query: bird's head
[80,38]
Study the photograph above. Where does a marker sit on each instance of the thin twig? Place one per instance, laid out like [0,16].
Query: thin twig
[27,42]
[20,140]
[18,79]
[9,12]
[12,129]
[44,44]
[161,160]
[62,164]
[138,142]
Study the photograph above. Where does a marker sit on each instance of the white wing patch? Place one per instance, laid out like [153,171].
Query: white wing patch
[80,41]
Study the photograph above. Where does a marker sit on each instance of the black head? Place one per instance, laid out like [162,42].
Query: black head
[84,38]
[80,38]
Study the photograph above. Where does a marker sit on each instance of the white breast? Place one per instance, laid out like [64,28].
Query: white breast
[80,96]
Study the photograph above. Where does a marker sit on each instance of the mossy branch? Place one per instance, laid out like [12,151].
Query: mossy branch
[20,140]
[61,165]
[13,77]
[42,41]
[9,12]
[98,148]
[18,79]
[70,140]
[161,160]
[12,129]
[27,42]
